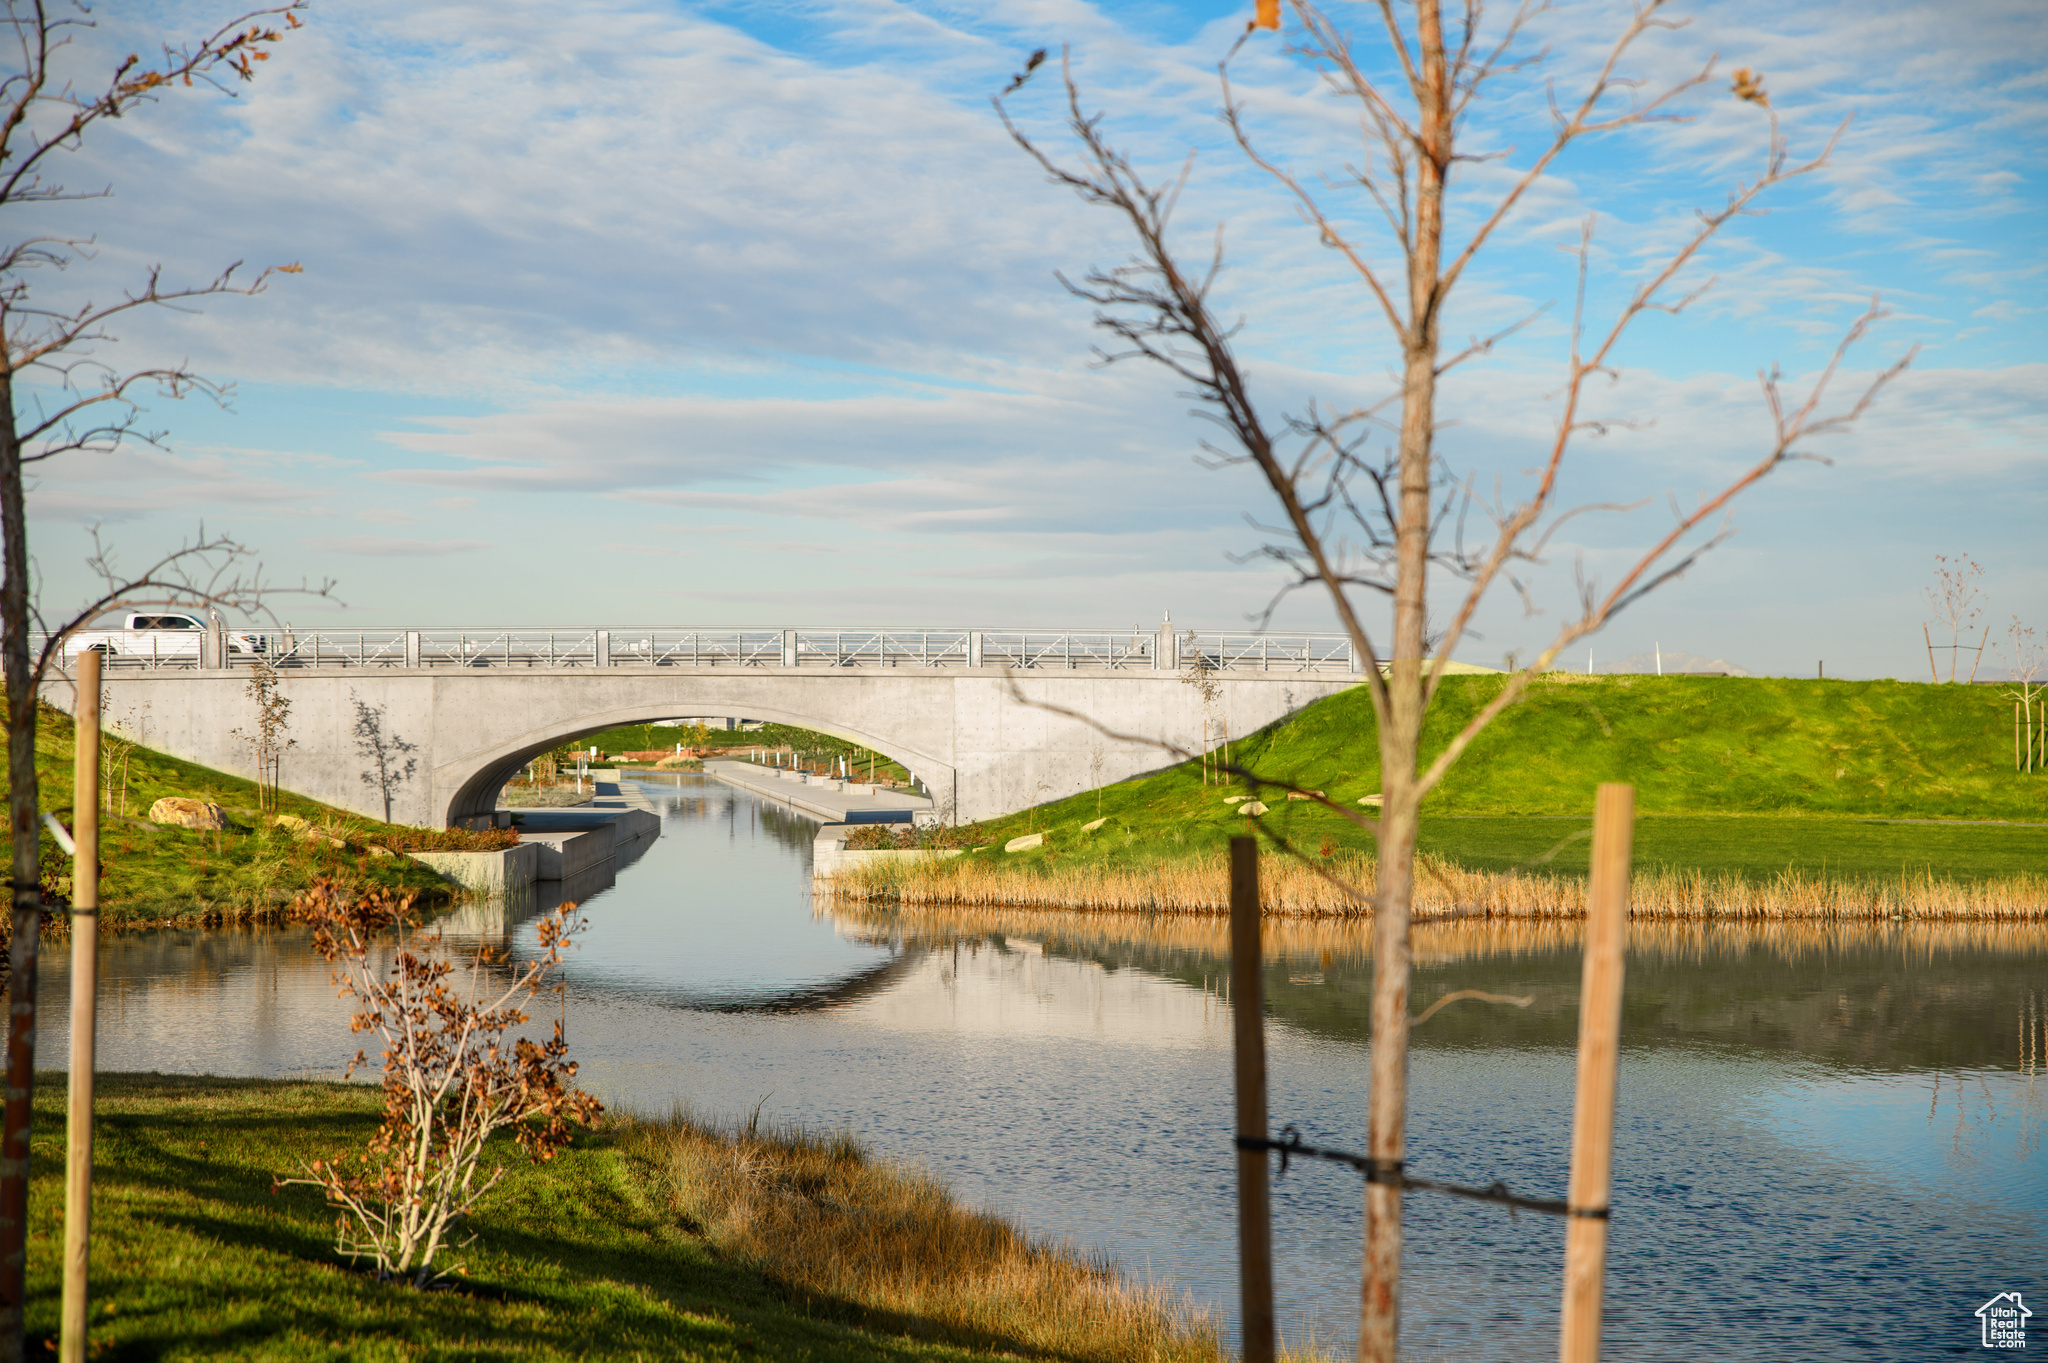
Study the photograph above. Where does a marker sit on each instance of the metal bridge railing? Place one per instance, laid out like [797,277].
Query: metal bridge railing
[567,648]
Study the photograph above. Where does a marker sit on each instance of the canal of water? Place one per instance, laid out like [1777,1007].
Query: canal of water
[1828,1141]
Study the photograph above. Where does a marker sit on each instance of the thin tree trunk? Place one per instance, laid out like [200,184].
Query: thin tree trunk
[23,803]
[1400,737]
[1380,1313]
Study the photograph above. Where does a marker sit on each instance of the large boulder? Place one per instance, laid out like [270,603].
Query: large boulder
[181,812]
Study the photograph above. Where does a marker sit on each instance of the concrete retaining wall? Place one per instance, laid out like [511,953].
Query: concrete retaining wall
[569,855]
[509,868]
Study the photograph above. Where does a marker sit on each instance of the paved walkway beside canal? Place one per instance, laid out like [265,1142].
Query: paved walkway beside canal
[832,801]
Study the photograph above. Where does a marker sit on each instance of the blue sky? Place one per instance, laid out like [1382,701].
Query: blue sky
[637,312]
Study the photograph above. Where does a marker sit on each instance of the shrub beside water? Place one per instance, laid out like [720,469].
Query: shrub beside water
[883,837]
[447,839]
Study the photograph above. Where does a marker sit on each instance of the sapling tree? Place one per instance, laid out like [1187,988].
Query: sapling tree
[59,396]
[1956,596]
[268,741]
[455,1075]
[116,751]
[2026,656]
[1200,673]
[1378,533]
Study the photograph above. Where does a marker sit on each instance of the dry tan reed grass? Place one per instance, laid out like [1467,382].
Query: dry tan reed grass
[822,1220]
[1460,939]
[1341,887]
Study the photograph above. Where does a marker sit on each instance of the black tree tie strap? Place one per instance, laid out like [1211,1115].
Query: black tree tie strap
[1392,1173]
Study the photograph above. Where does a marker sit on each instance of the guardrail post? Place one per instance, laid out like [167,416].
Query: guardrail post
[789,648]
[974,648]
[412,648]
[604,648]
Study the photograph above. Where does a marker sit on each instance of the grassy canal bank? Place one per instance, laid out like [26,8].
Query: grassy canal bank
[646,1239]
[158,873]
[1756,796]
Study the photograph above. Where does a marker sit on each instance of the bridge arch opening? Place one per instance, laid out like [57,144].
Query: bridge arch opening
[476,789]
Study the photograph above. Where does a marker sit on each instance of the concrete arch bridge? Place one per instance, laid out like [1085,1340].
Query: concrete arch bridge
[466,709]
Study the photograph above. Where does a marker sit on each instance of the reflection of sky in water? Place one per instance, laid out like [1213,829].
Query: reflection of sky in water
[1973,1134]
[706,918]
[1767,1205]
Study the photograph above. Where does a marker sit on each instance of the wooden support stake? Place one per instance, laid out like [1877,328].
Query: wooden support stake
[1980,654]
[85,949]
[1585,1246]
[1932,670]
[1247,997]
[84,989]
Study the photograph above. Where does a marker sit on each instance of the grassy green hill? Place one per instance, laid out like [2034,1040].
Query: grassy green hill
[152,871]
[1691,745]
[1746,775]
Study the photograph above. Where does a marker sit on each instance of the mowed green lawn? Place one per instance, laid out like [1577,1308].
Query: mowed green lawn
[195,1257]
[1745,776]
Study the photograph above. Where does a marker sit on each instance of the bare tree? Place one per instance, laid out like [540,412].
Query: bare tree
[58,397]
[1200,674]
[2026,655]
[268,742]
[1361,529]
[391,758]
[1955,596]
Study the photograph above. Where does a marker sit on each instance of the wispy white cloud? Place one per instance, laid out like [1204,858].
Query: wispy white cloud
[782,266]
[378,546]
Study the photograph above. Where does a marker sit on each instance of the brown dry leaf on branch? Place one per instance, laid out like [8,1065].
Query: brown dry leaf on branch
[451,1081]
[1749,85]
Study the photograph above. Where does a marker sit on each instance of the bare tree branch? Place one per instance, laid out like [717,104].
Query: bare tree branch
[1351,521]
